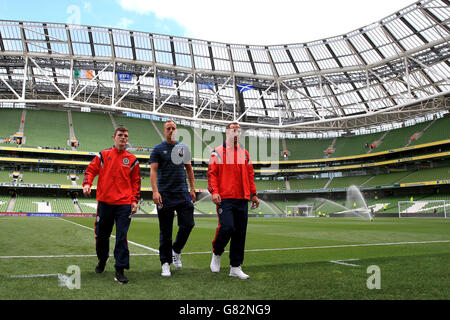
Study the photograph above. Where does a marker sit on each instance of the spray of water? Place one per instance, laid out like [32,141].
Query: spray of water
[355,205]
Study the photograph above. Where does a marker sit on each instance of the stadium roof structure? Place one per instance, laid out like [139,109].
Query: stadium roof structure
[394,69]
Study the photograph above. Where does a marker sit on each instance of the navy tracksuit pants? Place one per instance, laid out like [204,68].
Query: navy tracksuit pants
[233,218]
[184,207]
[107,215]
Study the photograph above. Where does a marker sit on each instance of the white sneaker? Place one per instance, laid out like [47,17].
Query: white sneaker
[215,263]
[238,273]
[176,258]
[165,270]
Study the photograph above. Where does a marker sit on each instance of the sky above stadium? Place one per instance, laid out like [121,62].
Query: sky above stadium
[243,22]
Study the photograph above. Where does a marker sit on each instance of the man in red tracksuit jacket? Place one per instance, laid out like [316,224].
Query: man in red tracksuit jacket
[231,183]
[118,193]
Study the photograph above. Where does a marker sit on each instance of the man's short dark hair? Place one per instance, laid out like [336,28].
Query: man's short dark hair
[121,129]
[229,125]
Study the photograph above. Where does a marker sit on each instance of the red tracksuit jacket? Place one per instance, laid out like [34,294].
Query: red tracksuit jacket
[119,177]
[230,173]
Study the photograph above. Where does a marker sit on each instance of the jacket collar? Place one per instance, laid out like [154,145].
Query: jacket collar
[118,151]
[172,145]
[228,145]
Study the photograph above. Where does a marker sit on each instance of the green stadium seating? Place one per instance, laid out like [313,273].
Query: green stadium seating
[9,122]
[428,175]
[347,146]
[399,138]
[49,204]
[141,132]
[302,149]
[146,206]
[63,205]
[385,179]
[270,185]
[94,131]
[46,128]
[4,176]
[439,130]
[205,206]
[201,184]
[4,202]
[87,205]
[346,182]
[303,184]
[46,178]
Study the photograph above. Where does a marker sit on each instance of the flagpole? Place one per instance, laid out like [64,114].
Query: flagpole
[234,100]
[114,84]
[154,87]
[71,79]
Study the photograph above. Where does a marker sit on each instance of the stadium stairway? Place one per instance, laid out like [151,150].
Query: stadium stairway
[204,142]
[333,143]
[319,207]
[288,185]
[22,123]
[412,172]
[362,184]
[113,121]
[22,126]
[277,207]
[378,142]
[283,143]
[157,130]
[71,129]
[417,135]
[11,204]
[329,181]
[77,207]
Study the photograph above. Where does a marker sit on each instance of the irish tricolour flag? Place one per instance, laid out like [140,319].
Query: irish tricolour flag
[83,74]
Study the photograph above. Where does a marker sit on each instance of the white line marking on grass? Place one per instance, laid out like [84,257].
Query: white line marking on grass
[134,243]
[345,263]
[50,256]
[69,256]
[249,250]
[34,275]
[355,245]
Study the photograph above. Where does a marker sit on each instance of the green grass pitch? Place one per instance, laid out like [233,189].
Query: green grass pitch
[286,258]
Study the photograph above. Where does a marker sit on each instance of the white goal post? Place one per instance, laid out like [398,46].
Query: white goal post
[423,208]
[300,210]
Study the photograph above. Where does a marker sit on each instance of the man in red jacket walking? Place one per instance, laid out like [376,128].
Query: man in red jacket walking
[118,193]
[231,183]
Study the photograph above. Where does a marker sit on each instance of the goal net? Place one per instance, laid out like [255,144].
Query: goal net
[301,210]
[423,208]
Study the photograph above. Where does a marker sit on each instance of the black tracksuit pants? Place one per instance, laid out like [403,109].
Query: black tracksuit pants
[107,215]
[233,218]
[185,217]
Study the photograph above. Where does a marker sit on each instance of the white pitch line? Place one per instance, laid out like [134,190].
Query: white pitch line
[250,250]
[134,243]
[69,256]
[355,245]
[34,275]
[50,256]
[345,263]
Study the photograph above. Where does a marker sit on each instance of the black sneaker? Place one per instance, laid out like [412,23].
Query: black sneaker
[100,267]
[120,277]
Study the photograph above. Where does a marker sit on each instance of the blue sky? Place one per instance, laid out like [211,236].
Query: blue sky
[234,21]
[105,13]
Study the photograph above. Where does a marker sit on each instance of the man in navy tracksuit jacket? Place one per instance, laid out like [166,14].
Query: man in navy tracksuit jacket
[168,162]
[118,193]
